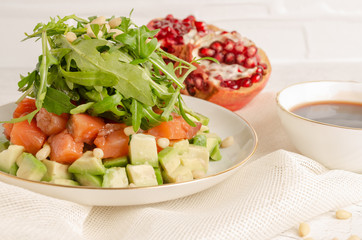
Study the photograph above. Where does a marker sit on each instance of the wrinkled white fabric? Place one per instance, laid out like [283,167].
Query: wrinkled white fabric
[274,191]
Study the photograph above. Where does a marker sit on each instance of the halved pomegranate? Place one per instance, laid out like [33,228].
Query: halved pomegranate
[243,71]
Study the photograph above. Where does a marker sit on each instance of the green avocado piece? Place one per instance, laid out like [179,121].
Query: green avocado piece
[216,154]
[181,174]
[87,164]
[62,181]
[143,149]
[115,162]
[8,158]
[87,179]
[197,160]
[30,167]
[181,146]
[169,159]
[55,170]
[141,175]
[4,143]
[115,177]
[199,140]
[158,176]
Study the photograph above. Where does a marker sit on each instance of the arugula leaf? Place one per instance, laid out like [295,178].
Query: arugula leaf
[131,81]
[57,102]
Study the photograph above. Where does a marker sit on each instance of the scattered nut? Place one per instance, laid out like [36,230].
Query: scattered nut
[343,214]
[115,22]
[99,20]
[304,229]
[70,36]
[128,130]
[116,32]
[227,142]
[44,152]
[163,142]
[98,153]
[353,237]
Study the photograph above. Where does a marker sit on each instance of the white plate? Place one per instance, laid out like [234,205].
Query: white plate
[222,121]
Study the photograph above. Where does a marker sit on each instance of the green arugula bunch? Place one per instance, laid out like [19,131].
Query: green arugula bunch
[122,78]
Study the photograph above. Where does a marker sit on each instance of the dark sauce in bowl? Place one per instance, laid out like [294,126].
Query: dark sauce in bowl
[344,114]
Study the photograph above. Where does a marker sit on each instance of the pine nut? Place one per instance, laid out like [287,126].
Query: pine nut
[116,32]
[99,20]
[343,214]
[353,237]
[227,142]
[115,22]
[163,142]
[128,130]
[304,229]
[44,152]
[70,36]
[98,153]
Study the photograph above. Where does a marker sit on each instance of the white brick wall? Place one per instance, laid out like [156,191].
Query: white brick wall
[288,30]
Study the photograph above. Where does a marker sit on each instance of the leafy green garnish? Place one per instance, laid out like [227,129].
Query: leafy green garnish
[123,78]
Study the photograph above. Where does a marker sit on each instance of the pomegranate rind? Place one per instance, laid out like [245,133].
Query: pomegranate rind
[232,99]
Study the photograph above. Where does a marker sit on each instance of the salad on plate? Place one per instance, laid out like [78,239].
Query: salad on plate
[102,108]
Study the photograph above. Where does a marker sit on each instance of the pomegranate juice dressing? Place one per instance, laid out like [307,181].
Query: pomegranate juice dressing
[345,114]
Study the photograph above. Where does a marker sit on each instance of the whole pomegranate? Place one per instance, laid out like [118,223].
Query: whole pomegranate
[243,71]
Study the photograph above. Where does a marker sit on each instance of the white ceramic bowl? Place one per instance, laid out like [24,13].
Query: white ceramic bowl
[333,146]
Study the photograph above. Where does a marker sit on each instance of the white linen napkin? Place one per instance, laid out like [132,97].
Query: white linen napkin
[273,192]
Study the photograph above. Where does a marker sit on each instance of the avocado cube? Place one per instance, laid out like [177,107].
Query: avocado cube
[213,145]
[158,176]
[8,158]
[55,170]
[169,159]
[115,177]
[197,160]
[181,174]
[142,175]
[115,162]
[181,146]
[4,143]
[31,168]
[199,140]
[216,154]
[143,149]
[87,179]
[87,164]
[62,181]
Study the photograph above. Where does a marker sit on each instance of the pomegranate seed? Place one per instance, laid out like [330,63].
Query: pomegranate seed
[198,83]
[229,58]
[206,52]
[240,59]
[256,77]
[260,69]
[191,90]
[239,70]
[224,32]
[235,87]
[249,63]
[200,26]
[239,47]
[205,86]
[191,18]
[264,66]
[219,56]
[246,82]
[229,45]
[169,17]
[251,51]
[217,46]
[179,40]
